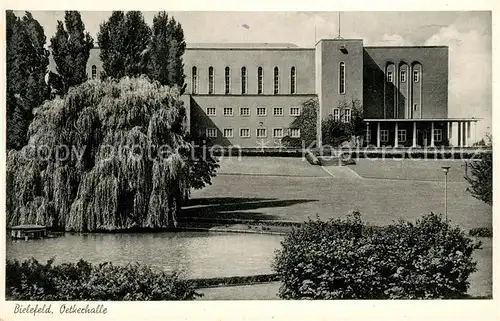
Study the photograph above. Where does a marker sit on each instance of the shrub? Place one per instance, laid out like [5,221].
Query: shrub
[481,232]
[31,280]
[345,259]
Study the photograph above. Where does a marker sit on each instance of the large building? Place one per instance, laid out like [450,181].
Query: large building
[250,94]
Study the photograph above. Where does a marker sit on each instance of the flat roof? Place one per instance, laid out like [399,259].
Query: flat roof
[389,47]
[421,119]
[210,45]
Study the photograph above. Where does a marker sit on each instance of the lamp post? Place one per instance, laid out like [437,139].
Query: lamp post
[446,169]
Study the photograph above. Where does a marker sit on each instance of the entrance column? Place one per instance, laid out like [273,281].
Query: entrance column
[396,138]
[414,134]
[450,130]
[466,132]
[378,134]
[368,134]
[459,134]
[432,134]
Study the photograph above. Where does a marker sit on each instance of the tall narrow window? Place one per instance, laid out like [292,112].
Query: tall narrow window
[94,71]
[293,83]
[259,80]
[194,80]
[227,77]
[243,80]
[210,80]
[342,78]
[276,80]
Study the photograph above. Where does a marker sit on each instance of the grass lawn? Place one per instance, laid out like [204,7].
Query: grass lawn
[407,169]
[296,197]
[272,166]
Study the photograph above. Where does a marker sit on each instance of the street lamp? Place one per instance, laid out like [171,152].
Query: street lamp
[446,169]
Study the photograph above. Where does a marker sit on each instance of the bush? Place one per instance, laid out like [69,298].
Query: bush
[345,259]
[31,280]
[481,232]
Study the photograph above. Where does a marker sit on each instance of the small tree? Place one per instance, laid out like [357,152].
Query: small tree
[337,131]
[71,50]
[479,175]
[307,123]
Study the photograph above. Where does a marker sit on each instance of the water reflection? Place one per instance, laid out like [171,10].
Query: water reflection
[197,254]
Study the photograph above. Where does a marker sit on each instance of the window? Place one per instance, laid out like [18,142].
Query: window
[243,80]
[295,132]
[211,111]
[261,111]
[276,81]
[336,114]
[228,111]
[294,111]
[210,80]
[211,132]
[244,111]
[342,78]
[278,132]
[347,115]
[94,71]
[416,76]
[261,132]
[402,135]
[278,111]
[403,76]
[227,80]
[438,134]
[244,132]
[389,76]
[293,81]
[384,135]
[259,80]
[228,132]
[194,80]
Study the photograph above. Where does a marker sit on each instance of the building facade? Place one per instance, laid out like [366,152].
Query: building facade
[249,94]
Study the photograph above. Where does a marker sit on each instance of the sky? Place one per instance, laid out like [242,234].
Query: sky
[467,33]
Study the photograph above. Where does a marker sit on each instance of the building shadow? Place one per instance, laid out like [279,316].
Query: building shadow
[235,208]
[201,121]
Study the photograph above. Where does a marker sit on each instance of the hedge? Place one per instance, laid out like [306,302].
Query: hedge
[31,280]
[481,232]
[345,259]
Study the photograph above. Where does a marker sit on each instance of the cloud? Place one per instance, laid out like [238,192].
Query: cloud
[392,40]
[470,82]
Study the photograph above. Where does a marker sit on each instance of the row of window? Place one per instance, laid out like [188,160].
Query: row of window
[346,117]
[402,136]
[261,111]
[244,80]
[260,132]
[402,76]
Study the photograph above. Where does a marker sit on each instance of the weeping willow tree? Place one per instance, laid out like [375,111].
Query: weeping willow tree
[108,156]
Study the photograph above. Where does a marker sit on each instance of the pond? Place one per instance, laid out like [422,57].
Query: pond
[197,254]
